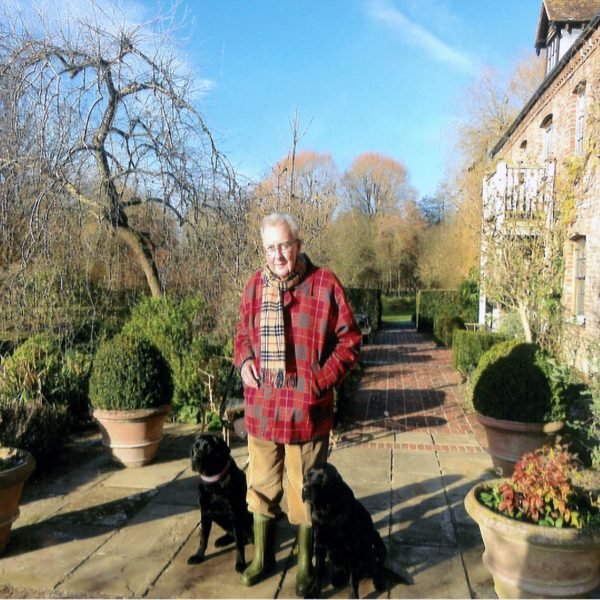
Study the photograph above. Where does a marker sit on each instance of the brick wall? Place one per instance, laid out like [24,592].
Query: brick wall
[526,146]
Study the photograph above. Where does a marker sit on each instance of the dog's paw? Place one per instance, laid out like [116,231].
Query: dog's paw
[380,583]
[195,559]
[224,540]
[240,565]
[339,576]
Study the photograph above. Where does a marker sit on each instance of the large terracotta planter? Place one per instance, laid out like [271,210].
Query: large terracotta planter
[11,488]
[509,440]
[531,561]
[132,436]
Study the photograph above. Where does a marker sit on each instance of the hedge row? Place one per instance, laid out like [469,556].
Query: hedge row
[469,346]
[368,302]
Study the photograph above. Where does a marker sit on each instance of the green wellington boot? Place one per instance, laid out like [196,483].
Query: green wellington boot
[304,574]
[264,554]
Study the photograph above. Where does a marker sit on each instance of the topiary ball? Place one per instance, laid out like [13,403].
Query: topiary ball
[512,383]
[129,374]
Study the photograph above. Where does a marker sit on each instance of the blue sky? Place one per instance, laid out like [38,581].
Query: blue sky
[362,75]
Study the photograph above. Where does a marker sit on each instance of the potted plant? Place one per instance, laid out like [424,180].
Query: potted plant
[521,397]
[540,528]
[130,392]
[15,467]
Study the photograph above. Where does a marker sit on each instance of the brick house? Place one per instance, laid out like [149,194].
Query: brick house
[557,127]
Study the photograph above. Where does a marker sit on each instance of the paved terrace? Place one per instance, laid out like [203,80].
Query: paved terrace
[407,448]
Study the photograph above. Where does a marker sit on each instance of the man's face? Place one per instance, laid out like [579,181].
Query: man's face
[281,249]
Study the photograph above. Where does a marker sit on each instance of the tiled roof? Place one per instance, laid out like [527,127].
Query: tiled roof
[571,10]
[564,11]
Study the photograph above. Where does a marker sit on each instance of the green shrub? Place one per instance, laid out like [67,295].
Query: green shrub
[584,417]
[469,346]
[129,374]
[367,302]
[511,325]
[36,426]
[468,292]
[40,370]
[517,381]
[436,303]
[394,305]
[181,330]
[33,370]
[444,327]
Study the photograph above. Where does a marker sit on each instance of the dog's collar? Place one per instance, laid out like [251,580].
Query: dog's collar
[218,476]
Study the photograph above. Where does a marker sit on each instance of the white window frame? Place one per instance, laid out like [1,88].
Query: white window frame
[552,53]
[580,121]
[579,269]
[547,126]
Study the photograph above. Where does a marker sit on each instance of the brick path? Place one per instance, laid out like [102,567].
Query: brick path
[409,385]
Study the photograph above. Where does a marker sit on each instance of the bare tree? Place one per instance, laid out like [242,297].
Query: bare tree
[522,250]
[376,184]
[304,183]
[484,111]
[112,124]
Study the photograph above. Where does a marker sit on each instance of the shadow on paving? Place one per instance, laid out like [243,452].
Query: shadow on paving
[92,521]
[85,460]
[422,523]
[392,409]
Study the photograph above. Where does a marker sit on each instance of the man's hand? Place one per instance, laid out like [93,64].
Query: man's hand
[250,374]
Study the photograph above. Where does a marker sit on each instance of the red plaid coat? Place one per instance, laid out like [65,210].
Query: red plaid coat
[322,344]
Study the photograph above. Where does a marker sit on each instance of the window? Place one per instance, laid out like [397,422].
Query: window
[552,53]
[547,128]
[522,152]
[580,119]
[579,277]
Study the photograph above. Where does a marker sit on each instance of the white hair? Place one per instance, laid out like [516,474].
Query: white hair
[280,218]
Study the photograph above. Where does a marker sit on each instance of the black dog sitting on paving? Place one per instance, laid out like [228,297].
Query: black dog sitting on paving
[344,533]
[222,497]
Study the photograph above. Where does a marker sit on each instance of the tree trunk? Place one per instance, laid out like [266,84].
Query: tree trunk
[526,324]
[136,242]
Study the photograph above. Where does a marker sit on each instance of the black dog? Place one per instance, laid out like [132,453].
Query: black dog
[222,497]
[343,532]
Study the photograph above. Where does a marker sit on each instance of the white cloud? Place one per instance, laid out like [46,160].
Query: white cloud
[412,33]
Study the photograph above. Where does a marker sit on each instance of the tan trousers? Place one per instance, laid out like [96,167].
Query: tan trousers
[265,476]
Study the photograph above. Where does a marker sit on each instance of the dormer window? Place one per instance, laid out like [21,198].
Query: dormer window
[552,52]
[561,22]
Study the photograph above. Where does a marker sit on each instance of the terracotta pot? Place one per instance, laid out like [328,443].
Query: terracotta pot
[11,487]
[531,561]
[509,440]
[132,436]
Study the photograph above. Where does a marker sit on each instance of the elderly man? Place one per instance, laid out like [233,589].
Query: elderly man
[296,339]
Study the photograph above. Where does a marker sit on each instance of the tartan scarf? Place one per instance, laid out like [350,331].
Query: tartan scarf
[272,329]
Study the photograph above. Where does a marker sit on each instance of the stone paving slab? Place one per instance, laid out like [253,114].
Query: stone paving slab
[134,557]
[414,461]
[216,576]
[41,559]
[410,453]
[150,476]
[457,439]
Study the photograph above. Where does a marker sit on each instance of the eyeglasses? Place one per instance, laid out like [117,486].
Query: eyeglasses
[284,248]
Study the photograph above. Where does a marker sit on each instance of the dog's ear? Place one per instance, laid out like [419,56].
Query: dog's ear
[333,474]
[221,446]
